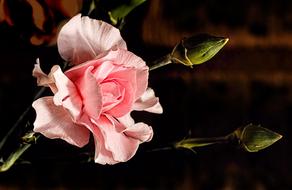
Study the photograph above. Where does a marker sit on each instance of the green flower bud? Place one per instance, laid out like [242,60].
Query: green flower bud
[197,49]
[253,138]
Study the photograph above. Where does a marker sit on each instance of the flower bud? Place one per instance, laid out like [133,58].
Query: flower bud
[197,49]
[253,138]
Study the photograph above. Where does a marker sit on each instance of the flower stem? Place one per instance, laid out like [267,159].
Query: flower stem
[161,149]
[165,60]
[190,143]
[20,119]
[23,147]
[14,156]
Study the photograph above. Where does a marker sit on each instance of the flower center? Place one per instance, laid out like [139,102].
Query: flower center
[112,94]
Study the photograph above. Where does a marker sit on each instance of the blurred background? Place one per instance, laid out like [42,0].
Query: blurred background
[248,81]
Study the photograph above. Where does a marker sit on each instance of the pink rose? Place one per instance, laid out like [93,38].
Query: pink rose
[98,94]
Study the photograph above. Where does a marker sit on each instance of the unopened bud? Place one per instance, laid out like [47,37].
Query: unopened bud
[254,137]
[197,49]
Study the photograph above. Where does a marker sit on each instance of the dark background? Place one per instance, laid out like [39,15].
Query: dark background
[249,81]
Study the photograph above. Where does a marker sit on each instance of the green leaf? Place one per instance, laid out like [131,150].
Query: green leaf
[122,11]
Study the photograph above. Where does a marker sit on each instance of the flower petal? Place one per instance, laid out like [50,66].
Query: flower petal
[118,57]
[82,39]
[67,94]
[127,80]
[140,131]
[42,78]
[125,58]
[102,155]
[148,102]
[126,120]
[128,59]
[121,146]
[91,94]
[54,122]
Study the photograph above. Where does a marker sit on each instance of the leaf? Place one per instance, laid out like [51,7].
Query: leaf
[122,11]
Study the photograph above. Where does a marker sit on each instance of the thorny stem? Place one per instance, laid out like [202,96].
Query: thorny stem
[165,60]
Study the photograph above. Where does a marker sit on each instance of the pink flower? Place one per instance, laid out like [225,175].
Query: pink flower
[98,94]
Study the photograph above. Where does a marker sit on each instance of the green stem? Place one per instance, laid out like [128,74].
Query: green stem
[190,143]
[161,149]
[200,142]
[165,60]
[20,119]
[14,156]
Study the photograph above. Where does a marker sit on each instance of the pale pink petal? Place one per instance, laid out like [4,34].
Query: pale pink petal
[54,122]
[102,155]
[91,94]
[148,102]
[103,70]
[100,72]
[42,78]
[140,131]
[67,94]
[82,39]
[121,146]
[121,59]
[127,59]
[112,95]
[142,82]
[127,80]
[126,120]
